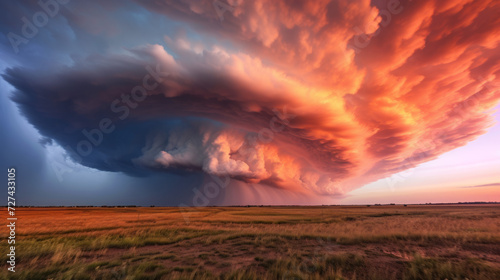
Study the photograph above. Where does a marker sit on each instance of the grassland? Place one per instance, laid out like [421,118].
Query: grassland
[338,242]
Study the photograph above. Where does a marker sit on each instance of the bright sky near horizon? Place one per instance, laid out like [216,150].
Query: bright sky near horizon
[469,173]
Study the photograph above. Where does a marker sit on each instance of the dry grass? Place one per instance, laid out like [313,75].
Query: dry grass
[378,242]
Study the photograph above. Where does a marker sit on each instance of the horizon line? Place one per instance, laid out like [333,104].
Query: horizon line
[254,205]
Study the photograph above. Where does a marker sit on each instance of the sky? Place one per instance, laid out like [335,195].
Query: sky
[197,103]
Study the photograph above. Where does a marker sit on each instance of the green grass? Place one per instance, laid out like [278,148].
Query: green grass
[347,243]
[336,266]
[433,268]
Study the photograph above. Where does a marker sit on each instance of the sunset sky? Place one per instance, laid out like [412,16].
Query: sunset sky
[251,102]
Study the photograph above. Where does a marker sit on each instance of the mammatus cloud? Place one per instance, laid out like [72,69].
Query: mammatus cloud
[316,98]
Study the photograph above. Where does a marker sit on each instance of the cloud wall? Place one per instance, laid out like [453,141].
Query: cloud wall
[317,98]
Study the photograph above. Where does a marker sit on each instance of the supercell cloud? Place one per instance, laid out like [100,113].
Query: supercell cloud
[316,98]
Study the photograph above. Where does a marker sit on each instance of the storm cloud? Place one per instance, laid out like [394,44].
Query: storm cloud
[315,98]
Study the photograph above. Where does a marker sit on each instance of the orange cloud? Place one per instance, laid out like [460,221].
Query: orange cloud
[370,88]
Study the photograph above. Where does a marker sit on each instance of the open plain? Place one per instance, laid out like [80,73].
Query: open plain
[328,242]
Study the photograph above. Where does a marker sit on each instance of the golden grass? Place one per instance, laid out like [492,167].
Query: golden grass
[99,243]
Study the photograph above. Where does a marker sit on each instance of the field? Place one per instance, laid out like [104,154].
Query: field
[334,242]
